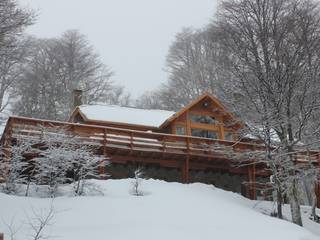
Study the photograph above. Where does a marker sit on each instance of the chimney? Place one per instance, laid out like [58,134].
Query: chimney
[77,98]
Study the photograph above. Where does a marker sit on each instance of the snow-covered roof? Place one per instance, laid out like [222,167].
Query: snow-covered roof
[128,115]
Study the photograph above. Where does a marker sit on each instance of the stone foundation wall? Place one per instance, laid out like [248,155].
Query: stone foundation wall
[223,180]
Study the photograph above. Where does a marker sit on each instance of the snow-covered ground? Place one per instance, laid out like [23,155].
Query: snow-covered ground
[166,211]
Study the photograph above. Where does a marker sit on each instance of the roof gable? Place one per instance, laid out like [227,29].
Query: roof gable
[216,105]
[153,119]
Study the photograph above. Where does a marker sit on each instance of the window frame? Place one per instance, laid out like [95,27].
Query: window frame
[231,134]
[207,131]
[182,127]
[202,115]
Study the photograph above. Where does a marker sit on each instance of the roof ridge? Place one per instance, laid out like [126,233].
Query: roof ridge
[131,107]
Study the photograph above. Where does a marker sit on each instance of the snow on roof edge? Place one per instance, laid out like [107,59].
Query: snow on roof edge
[127,115]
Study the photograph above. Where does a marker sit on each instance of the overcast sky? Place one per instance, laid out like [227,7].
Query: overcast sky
[132,36]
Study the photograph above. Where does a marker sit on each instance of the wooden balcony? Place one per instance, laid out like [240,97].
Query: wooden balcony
[167,150]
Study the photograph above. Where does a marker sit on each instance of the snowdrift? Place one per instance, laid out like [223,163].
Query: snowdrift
[166,211]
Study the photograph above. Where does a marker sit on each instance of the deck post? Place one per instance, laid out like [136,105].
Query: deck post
[252,182]
[104,152]
[185,170]
[6,148]
[317,190]
[1,236]
[131,142]
[186,163]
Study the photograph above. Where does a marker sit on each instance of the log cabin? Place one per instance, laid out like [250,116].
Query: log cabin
[199,143]
[204,117]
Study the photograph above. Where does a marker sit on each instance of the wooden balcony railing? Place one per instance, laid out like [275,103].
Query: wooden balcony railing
[109,137]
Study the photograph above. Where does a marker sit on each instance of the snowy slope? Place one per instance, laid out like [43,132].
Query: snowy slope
[167,211]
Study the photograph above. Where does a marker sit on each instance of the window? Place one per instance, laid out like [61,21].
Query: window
[204,133]
[180,130]
[228,136]
[78,119]
[203,119]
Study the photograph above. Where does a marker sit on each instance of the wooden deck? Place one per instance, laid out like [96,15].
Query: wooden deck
[167,150]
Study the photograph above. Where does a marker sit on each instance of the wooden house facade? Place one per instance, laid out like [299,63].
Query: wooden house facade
[199,143]
[204,117]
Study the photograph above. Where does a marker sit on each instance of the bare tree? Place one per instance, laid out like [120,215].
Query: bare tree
[13,21]
[55,68]
[39,221]
[64,159]
[55,159]
[86,165]
[13,166]
[150,100]
[193,69]
[12,229]
[273,49]
[136,183]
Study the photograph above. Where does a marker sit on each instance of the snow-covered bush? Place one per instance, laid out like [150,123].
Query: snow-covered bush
[66,159]
[58,157]
[136,183]
[86,165]
[55,159]
[13,167]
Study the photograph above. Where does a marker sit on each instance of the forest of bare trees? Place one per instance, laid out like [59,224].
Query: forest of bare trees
[37,76]
[14,21]
[261,58]
[54,68]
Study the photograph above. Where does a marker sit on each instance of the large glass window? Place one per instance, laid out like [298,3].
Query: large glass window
[203,119]
[204,133]
[228,136]
[180,130]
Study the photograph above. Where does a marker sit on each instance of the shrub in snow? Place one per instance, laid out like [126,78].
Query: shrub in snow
[65,160]
[37,223]
[13,167]
[136,183]
[86,166]
[59,158]
[52,167]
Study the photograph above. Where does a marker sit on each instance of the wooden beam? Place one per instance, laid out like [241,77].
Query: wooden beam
[254,181]
[188,123]
[317,190]
[185,170]
[251,182]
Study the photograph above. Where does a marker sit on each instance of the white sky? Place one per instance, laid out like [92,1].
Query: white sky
[132,36]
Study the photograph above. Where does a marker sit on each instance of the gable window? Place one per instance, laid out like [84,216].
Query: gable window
[228,136]
[180,130]
[78,119]
[204,133]
[203,119]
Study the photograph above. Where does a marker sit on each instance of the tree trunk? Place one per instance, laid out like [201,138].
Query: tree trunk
[314,215]
[293,184]
[279,204]
[294,202]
